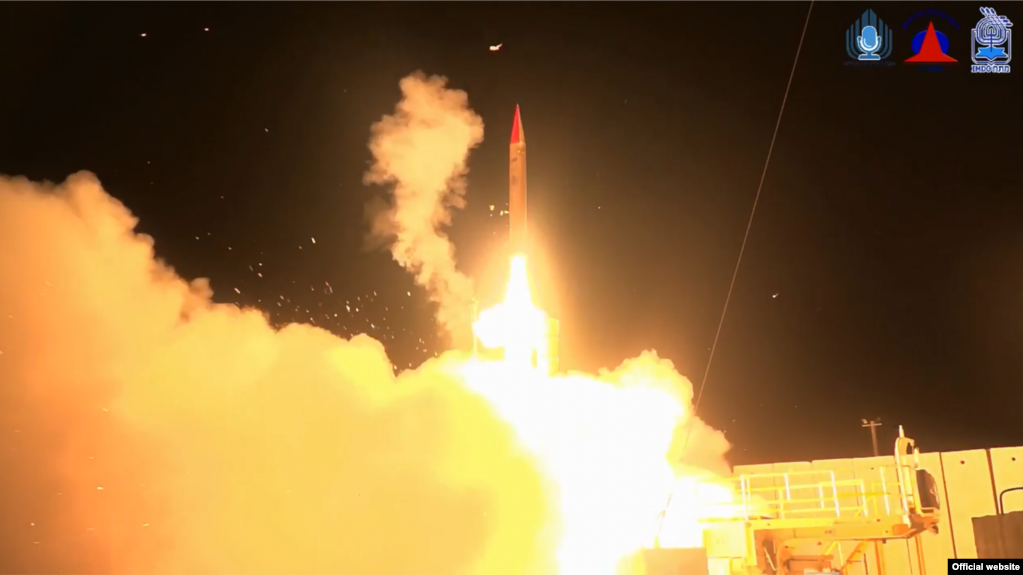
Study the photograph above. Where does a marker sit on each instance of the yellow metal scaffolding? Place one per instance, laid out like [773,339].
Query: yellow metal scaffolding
[777,513]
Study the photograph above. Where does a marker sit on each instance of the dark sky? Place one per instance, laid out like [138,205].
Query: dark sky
[888,228]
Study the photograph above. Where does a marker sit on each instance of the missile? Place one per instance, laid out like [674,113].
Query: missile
[517,187]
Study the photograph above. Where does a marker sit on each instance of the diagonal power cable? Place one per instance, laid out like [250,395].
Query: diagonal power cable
[745,239]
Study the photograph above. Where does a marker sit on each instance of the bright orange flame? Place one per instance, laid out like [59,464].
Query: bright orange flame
[696,500]
[602,443]
[515,325]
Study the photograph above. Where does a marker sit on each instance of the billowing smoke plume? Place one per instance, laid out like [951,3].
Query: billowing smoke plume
[145,429]
[420,152]
[695,445]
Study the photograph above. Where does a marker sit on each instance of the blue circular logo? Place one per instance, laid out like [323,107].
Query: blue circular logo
[918,41]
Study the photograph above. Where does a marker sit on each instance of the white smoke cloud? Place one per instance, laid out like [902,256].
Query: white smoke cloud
[420,151]
[144,429]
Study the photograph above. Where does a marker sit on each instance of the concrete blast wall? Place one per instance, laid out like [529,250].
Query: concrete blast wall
[968,483]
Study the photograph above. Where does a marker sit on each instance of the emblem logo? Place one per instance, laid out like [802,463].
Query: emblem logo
[991,43]
[930,46]
[868,39]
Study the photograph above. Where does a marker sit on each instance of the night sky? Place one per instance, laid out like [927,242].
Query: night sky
[883,275]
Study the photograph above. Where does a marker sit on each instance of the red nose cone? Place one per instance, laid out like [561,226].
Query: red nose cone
[517,135]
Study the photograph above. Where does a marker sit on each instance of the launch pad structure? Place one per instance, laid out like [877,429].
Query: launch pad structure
[905,514]
[782,509]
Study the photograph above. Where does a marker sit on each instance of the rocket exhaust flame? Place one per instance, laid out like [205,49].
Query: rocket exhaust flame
[515,325]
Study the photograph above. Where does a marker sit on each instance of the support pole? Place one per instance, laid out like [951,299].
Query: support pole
[873,424]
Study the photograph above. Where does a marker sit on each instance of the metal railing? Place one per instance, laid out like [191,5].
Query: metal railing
[815,494]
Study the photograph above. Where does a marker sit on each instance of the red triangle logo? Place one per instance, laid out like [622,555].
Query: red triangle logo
[930,50]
